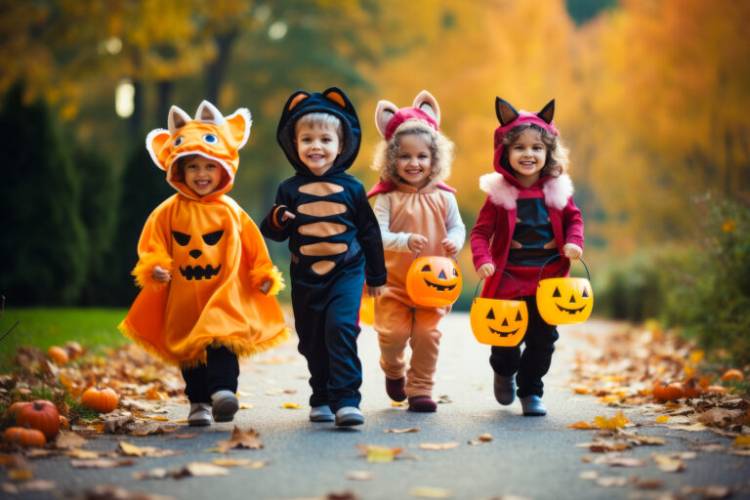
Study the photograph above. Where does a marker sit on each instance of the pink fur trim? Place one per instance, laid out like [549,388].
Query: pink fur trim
[557,191]
[500,192]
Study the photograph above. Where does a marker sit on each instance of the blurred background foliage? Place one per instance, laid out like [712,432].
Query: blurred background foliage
[652,98]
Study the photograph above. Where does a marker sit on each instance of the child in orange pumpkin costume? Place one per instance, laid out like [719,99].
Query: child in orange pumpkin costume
[417,214]
[207,281]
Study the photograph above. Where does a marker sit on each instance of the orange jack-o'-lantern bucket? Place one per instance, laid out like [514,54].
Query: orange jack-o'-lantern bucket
[433,281]
[563,301]
[498,322]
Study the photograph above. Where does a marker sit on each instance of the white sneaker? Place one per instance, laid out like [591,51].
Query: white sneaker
[348,416]
[321,413]
[224,405]
[200,415]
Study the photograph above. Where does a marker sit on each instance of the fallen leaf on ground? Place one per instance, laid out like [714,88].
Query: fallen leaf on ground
[291,406]
[101,463]
[68,439]
[662,419]
[399,404]
[156,473]
[200,469]
[379,454]
[245,406]
[402,431]
[605,446]
[696,427]
[118,493]
[617,461]
[359,475]
[231,462]
[618,421]
[184,435]
[713,491]
[582,425]
[131,450]
[249,439]
[439,446]
[588,475]
[82,454]
[741,442]
[341,495]
[648,483]
[482,438]
[23,474]
[667,463]
[611,481]
[430,492]
[444,399]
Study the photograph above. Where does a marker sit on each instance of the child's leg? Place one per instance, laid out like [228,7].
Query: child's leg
[505,360]
[393,322]
[310,327]
[196,384]
[537,355]
[223,369]
[425,342]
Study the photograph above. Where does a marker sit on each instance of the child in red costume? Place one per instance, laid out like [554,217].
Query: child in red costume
[528,219]
[417,214]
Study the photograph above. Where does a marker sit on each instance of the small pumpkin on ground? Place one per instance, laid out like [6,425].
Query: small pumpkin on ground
[733,375]
[58,355]
[668,392]
[101,400]
[24,437]
[41,415]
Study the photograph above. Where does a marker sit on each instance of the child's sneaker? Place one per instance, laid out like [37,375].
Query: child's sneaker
[532,406]
[321,414]
[224,405]
[200,415]
[395,388]
[422,404]
[349,415]
[505,389]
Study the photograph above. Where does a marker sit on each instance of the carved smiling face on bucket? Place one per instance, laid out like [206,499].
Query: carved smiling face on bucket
[198,255]
[565,300]
[499,322]
[433,281]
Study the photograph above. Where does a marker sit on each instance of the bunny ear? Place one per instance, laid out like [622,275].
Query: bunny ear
[295,99]
[504,111]
[384,111]
[427,103]
[207,112]
[547,112]
[337,96]
[176,119]
[239,125]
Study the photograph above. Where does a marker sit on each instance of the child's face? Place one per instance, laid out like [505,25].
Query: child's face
[414,160]
[317,146]
[202,175]
[527,155]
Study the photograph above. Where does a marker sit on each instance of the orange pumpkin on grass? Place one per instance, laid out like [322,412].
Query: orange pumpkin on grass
[24,437]
[41,415]
[101,400]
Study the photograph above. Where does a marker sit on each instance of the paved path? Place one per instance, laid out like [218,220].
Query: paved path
[529,457]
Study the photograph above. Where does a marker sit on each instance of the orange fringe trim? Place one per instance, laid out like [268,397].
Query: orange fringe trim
[143,270]
[258,276]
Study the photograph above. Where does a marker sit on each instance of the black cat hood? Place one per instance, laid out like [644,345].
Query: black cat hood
[332,101]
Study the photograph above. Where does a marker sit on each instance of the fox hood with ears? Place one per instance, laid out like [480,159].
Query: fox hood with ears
[215,253]
[209,134]
[424,115]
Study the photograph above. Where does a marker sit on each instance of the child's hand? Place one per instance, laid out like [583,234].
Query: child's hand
[486,270]
[161,274]
[417,242]
[287,215]
[265,286]
[374,291]
[449,247]
[572,251]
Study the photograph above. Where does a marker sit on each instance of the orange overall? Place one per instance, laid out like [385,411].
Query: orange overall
[397,319]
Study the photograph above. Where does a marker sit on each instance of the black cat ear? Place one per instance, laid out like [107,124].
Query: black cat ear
[547,112]
[337,96]
[504,111]
[295,99]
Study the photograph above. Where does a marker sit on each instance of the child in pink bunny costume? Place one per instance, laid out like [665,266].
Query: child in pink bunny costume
[417,214]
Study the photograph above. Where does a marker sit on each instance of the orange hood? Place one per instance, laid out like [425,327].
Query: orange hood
[209,134]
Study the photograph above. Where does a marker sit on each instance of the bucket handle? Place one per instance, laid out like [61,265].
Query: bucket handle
[539,278]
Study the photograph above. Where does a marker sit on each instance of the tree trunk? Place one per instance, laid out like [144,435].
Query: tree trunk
[216,71]
[164,90]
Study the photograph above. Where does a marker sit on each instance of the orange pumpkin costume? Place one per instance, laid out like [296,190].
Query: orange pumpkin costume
[214,250]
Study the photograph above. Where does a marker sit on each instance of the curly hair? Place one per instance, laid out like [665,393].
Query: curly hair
[441,150]
[556,163]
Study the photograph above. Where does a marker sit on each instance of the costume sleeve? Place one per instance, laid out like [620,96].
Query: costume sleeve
[368,234]
[396,242]
[153,249]
[453,223]
[573,224]
[254,249]
[482,234]
[272,226]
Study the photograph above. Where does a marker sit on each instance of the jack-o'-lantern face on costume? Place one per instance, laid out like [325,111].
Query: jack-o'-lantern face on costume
[499,322]
[198,256]
[433,281]
[564,300]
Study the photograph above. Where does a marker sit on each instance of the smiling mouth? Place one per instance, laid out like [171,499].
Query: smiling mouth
[199,272]
[570,311]
[440,288]
[502,334]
